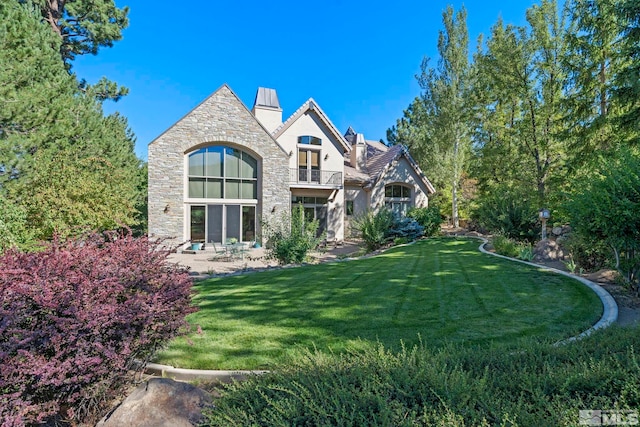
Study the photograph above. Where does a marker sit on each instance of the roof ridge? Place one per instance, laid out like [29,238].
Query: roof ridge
[290,118]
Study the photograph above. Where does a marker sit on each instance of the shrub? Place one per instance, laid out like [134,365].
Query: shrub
[374,227]
[505,246]
[606,207]
[539,383]
[292,237]
[384,226]
[508,213]
[75,318]
[405,227]
[525,251]
[429,218]
[587,253]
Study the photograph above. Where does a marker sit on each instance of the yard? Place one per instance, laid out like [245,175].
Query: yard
[435,291]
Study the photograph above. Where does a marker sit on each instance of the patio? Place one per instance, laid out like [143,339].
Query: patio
[210,262]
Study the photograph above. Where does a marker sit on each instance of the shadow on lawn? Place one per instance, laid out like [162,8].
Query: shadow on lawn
[437,289]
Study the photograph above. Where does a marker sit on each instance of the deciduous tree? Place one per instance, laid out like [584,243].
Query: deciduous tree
[436,126]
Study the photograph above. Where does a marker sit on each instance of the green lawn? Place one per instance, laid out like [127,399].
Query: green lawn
[436,290]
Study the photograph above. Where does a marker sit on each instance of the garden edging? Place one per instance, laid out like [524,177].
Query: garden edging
[183,374]
[610,307]
[609,316]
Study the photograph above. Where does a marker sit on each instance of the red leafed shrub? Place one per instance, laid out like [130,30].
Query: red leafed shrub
[74,318]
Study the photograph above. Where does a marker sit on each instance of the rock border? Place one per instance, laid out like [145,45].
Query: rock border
[609,316]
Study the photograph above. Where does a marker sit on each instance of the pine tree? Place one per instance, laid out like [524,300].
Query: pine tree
[61,160]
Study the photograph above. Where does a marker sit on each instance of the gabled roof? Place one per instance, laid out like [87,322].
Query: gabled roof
[354,176]
[311,105]
[224,88]
[380,163]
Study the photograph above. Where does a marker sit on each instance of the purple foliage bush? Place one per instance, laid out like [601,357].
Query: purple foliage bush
[75,317]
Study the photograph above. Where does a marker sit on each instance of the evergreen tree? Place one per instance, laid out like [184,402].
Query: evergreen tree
[84,26]
[594,39]
[62,162]
[628,79]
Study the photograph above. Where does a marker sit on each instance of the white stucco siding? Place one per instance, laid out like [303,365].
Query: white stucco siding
[401,172]
[360,199]
[309,124]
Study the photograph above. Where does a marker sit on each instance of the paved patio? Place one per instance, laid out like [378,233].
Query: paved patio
[206,262]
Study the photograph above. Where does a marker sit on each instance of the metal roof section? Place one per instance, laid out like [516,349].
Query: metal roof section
[266,97]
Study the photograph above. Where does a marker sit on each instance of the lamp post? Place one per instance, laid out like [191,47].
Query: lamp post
[544,215]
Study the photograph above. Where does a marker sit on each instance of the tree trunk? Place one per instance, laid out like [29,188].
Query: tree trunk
[454,186]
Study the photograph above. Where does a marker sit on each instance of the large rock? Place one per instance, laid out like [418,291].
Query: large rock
[548,250]
[159,402]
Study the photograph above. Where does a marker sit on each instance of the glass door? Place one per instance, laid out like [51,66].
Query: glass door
[214,222]
[233,222]
[197,224]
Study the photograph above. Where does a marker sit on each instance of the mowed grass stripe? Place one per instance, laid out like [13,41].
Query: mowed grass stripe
[436,290]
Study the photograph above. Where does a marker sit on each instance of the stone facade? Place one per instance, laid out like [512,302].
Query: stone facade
[306,142]
[220,119]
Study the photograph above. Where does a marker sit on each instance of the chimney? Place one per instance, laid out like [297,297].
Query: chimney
[266,109]
[358,156]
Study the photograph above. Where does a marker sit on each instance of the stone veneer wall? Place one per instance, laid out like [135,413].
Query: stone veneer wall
[222,118]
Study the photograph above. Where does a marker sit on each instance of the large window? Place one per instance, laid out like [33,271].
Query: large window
[222,173]
[397,197]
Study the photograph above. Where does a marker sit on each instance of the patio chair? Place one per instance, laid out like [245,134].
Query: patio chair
[219,254]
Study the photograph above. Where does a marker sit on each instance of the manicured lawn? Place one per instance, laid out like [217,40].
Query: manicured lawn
[436,290]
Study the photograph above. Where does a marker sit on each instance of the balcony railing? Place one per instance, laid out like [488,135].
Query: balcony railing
[315,177]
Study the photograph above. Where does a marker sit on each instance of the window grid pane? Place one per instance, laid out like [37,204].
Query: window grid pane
[249,167]
[196,163]
[214,161]
[232,160]
[208,168]
[214,188]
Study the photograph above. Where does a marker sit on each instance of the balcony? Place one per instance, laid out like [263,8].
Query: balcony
[310,178]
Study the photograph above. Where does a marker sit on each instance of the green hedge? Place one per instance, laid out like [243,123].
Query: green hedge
[535,384]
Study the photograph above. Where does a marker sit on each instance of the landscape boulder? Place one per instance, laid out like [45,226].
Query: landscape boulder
[548,250]
[159,402]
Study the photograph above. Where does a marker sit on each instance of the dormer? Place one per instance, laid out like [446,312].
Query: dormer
[266,108]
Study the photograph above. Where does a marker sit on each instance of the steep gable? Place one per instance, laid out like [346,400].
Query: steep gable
[221,119]
[310,106]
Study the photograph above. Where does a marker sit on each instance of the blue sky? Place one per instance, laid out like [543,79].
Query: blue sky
[357,59]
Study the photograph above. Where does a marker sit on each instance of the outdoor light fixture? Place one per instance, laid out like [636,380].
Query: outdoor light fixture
[166,208]
[326,156]
[544,215]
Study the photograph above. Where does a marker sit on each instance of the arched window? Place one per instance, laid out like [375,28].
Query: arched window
[397,197]
[220,172]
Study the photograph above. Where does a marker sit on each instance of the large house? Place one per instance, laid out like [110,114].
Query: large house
[222,168]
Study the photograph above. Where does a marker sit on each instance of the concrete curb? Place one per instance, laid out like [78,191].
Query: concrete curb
[609,316]
[610,308]
[180,374]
